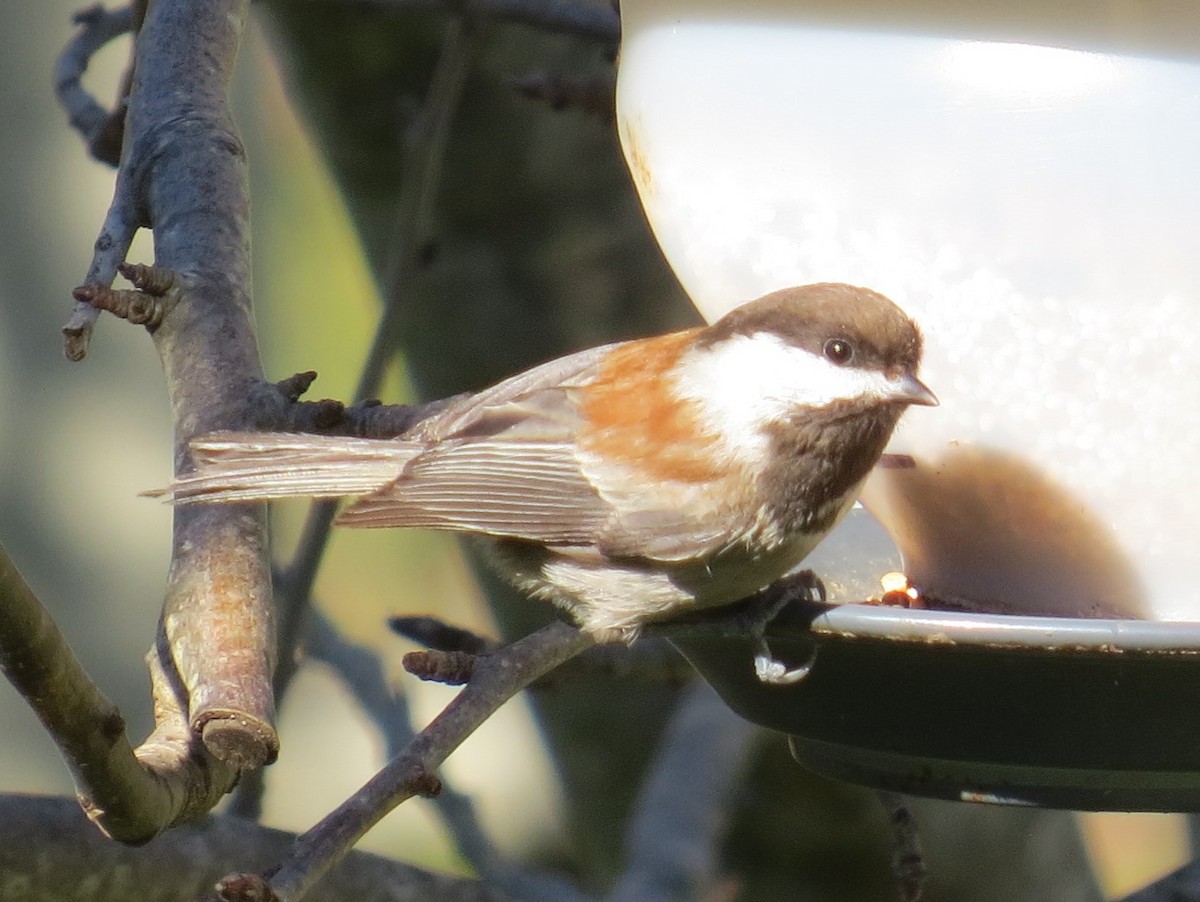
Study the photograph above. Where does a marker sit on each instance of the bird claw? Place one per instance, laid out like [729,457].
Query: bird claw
[773,672]
[751,620]
[770,670]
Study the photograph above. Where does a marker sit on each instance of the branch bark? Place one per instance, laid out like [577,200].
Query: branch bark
[496,679]
[101,128]
[362,671]
[185,164]
[130,796]
[49,851]
[182,173]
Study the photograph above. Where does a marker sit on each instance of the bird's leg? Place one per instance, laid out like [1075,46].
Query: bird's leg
[804,586]
[751,617]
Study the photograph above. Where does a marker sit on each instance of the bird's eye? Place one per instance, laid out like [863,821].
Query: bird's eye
[838,351]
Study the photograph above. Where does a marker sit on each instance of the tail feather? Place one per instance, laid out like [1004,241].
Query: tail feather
[249,466]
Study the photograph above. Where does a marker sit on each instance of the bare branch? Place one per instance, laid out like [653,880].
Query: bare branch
[908,862]
[649,660]
[363,673]
[188,167]
[130,798]
[49,851]
[183,174]
[101,128]
[121,223]
[497,678]
[104,132]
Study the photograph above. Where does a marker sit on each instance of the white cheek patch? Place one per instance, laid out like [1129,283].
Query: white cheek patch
[747,381]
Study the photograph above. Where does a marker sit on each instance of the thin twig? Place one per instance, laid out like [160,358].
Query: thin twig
[363,674]
[497,679]
[908,862]
[104,131]
[121,223]
[100,128]
[649,660]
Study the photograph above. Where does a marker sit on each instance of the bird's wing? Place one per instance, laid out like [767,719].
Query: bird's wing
[531,490]
[536,396]
[507,462]
[502,462]
[539,491]
[666,534]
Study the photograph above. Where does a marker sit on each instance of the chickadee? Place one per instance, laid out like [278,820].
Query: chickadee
[635,481]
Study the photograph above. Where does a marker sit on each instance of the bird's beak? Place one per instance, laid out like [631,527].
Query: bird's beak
[911,390]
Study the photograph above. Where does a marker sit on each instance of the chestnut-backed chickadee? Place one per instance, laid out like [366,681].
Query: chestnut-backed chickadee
[635,481]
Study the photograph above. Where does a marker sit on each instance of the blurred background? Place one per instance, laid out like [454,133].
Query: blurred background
[515,282]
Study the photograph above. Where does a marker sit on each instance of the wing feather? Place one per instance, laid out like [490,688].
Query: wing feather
[249,466]
[539,398]
[502,462]
[533,491]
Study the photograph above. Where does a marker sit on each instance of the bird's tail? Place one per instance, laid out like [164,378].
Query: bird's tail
[250,466]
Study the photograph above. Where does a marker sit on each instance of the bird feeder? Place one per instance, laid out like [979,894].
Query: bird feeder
[1023,182]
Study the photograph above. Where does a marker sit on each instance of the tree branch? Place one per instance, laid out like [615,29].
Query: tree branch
[184,154]
[130,796]
[363,674]
[48,851]
[649,660]
[121,223]
[183,174]
[497,678]
[101,128]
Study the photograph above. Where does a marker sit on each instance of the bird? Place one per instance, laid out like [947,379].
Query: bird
[633,482]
